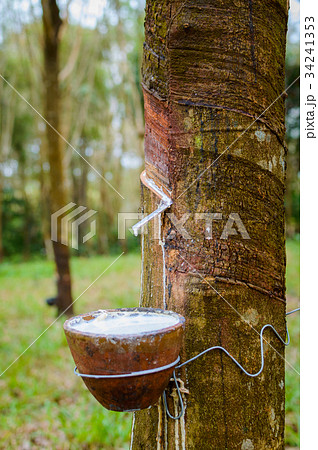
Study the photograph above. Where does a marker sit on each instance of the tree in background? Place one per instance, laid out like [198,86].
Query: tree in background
[209,70]
[52,27]
[7,124]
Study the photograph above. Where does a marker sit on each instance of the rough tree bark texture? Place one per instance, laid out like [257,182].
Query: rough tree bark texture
[52,27]
[210,68]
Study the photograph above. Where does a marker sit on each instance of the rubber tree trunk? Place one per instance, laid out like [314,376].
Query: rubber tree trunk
[52,26]
[209,70]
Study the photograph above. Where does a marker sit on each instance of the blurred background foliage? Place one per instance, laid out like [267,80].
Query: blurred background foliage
[101,112]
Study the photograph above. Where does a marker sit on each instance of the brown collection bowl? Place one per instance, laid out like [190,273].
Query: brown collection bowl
[116,354]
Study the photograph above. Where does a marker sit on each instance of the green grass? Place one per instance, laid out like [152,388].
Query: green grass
[292,351]
[43,405]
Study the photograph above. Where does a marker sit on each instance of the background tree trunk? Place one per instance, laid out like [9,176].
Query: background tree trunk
[45,204]
[209,70]
[52,27]
[6,133]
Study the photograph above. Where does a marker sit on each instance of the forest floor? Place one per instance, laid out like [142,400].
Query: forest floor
[43,405]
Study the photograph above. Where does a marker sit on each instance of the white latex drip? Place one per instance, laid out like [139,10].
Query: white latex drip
[142,269]
[162,245]
[165,202]
[132,432]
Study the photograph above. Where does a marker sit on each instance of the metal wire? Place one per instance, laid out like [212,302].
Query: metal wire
[291,312]
[217,347]
[180,400]
[130,374]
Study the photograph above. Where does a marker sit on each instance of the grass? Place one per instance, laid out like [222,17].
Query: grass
[43,405]
[292,351]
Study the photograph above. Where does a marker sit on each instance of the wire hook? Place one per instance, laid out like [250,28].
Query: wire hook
[232,358]
[180,400]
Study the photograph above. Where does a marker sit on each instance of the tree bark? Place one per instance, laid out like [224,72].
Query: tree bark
[106,215]
[209,70]
[52,27]
[45,201]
